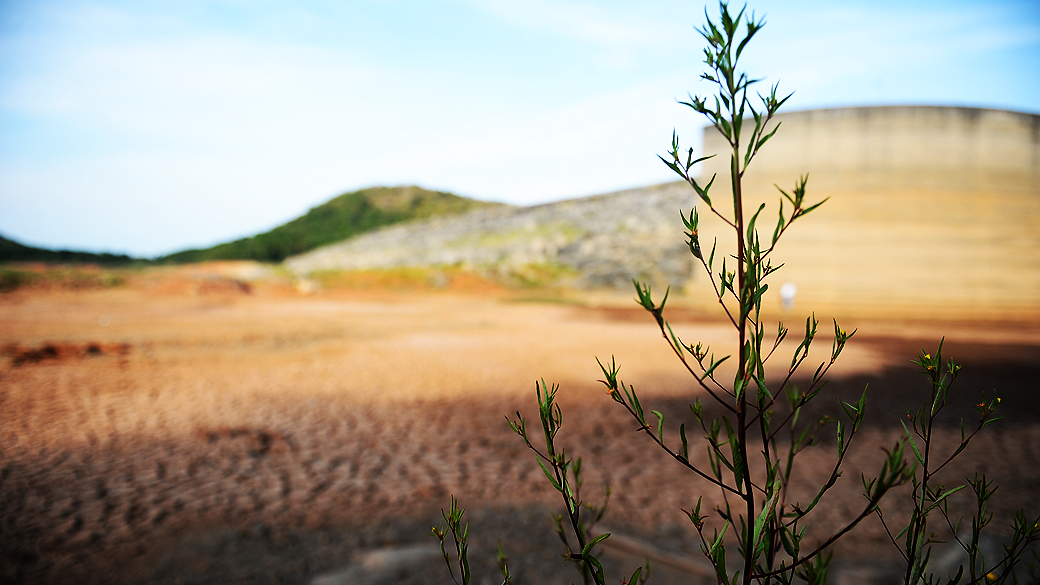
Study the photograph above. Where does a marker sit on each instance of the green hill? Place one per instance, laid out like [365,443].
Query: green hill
[12,251]
[338,219]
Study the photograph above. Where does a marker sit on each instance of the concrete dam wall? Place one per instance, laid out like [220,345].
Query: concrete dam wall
[934,212]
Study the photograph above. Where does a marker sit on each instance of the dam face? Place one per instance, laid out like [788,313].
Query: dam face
[933,212]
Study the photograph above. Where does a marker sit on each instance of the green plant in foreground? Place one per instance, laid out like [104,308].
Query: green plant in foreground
[459,533]
[752,446]
[565,476]
[929,497]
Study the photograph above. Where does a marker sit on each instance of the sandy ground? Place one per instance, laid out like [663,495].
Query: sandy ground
[156,434]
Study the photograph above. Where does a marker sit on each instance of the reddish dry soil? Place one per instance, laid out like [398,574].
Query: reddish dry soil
[155,435]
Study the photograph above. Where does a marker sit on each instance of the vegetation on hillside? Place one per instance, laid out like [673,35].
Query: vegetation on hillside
[12,251]
[61,277]
[338,219]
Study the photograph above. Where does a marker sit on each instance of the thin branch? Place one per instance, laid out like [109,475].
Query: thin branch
[700,380]
[866,512]
[682,460]
[890,537]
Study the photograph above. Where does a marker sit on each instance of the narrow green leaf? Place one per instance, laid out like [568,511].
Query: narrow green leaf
[943,496]
[715,546]
[767,509]
[588,547]
[703,192]
[685,445]
[634,400]
[552,479]
[711,368]
[789,544]
[937,403]
[841,437]
[597,569]
[726,129]
[751,224]
[764,139]
[763,392]
[779,224]
[701,159]
[913,444]
[660,424]
[903,531]
[812,207]
[990,421]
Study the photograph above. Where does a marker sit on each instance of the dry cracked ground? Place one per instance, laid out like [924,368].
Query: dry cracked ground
[156,434]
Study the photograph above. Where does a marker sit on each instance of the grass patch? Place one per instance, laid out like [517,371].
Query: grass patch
[537,275]
[403,278]
[59,277]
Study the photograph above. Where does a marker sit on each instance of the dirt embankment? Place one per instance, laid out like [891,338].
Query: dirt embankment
[270,437]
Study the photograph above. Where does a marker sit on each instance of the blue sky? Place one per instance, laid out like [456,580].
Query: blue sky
[150,127]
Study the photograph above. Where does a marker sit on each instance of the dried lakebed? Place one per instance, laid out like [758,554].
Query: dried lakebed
[284,440]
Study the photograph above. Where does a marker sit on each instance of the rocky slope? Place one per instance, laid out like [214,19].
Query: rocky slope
[601,241]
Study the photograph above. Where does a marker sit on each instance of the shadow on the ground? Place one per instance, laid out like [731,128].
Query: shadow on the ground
[377,486]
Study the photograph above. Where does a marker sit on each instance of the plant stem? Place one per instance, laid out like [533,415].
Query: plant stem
[742,369]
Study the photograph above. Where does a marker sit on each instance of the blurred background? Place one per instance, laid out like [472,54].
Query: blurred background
[149,128]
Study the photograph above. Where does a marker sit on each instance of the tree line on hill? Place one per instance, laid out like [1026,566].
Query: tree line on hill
[12,251]
[338,219]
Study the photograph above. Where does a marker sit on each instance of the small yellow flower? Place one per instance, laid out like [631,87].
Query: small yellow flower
[991,576]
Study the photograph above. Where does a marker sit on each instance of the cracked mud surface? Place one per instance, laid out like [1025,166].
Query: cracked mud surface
[270,439]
